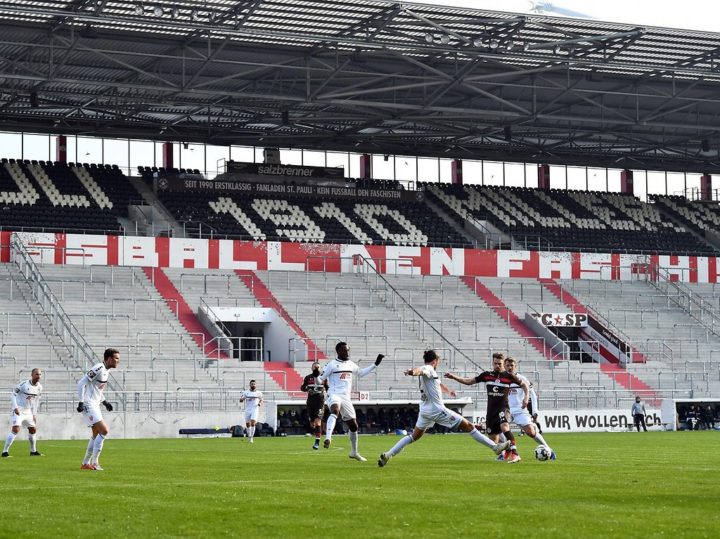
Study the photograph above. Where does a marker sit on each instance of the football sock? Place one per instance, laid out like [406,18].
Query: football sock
[510,436]
[539,439]
[353,441]
[480,437]
[97,448]
[501,437]
[330,427]
[33,443]
[8,441]
[89,451]
[318,432]
[405,440]
[251,432]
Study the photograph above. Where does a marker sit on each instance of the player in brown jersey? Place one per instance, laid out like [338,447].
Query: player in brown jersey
[497,382]
[315,401]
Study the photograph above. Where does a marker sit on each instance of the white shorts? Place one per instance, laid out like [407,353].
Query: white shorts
[521,417]
[347,410]
[92,414]
[25,419]
[442,416]
[251,415]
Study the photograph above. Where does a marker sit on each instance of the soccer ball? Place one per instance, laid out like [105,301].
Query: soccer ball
[542,452]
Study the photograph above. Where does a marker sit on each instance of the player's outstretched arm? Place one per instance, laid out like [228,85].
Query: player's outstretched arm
[468,381]
[445,389]
[415,371]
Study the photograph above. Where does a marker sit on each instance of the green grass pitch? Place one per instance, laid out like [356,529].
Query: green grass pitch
[602,485]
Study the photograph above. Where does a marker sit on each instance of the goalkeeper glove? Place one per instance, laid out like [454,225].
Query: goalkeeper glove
[80,407]
[108,406]
[379,359]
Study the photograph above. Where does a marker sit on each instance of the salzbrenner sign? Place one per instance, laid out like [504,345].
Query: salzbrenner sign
[292,171]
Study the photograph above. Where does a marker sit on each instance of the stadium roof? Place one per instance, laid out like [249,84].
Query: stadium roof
[372,76]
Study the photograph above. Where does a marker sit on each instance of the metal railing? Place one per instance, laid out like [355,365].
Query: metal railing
[367,267]
[60,322]
[697,307]
[106,317]
[66,282]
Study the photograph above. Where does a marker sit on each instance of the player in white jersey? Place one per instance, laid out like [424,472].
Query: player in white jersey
[24,402]
[91,390]
[339,375]
[433,410]
[253,399]
[521,415]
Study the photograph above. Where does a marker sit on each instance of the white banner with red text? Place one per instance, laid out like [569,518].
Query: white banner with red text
[603,420]
[80,249]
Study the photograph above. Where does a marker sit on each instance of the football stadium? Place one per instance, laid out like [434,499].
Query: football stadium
[296,268]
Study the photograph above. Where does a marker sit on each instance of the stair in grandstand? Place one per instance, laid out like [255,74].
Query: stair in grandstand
[502,310]
[115,306]
[632,383]
[333,307]
[462,231]
[577,306]
[678,353]
[149,216]
[287,377]
[26,336]
[185,314]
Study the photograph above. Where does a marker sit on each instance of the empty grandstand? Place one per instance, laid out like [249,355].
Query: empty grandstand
[372,216]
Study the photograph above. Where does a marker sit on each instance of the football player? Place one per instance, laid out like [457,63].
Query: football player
[90,390]
[23,411]
[315,401]
[433,410]
[339,374]
[253,399]
[516,397]
[497,382]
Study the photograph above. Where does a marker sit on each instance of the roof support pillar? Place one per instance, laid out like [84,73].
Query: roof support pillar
[61,149]
[627,186]
[456,172]
[167,155]
[706,187]
[544,176]
[365,166]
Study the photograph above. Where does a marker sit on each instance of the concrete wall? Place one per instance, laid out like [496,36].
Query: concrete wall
[70,426]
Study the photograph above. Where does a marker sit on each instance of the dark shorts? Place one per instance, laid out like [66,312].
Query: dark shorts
[492,423]
[315,407]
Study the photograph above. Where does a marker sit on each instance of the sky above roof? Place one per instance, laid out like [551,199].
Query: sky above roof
[685,14]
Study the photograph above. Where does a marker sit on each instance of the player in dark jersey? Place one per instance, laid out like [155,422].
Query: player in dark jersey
[497,382]
[315,401]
